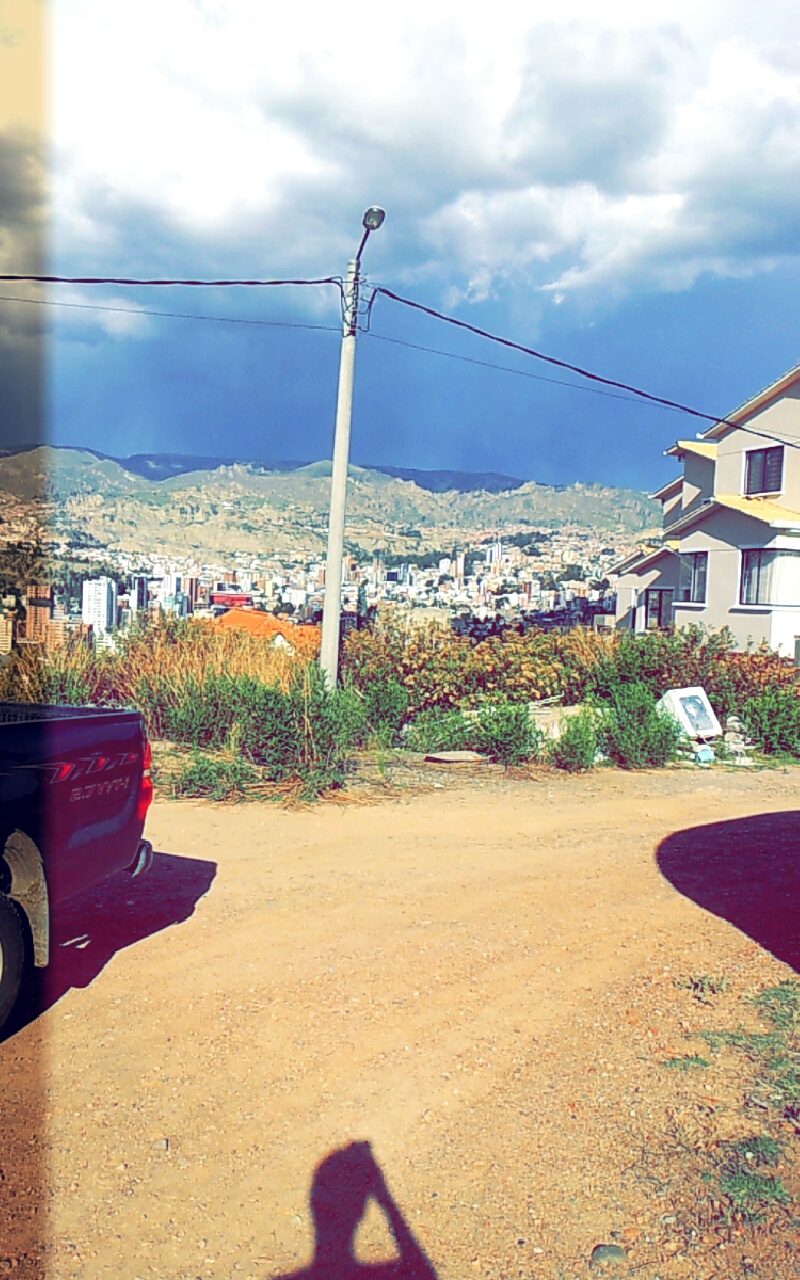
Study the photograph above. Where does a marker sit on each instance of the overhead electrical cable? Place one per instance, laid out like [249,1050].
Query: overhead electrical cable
[505,368]
[202,284]
[326,328]
[508,343]
[553,360]
[172,315]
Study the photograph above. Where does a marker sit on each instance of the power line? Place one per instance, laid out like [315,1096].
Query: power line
[127,280]
[560,364]
[673,405]
[638,392]
[502,368]
[173,315]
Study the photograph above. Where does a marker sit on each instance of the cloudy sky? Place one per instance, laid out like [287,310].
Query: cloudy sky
[620,192]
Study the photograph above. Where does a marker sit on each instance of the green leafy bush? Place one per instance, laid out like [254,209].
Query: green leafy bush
[438,730]
[576,748]
[501,730]
[505,732]
[305,731]
[213,779]
[439,669]
[333,724]
[385,705]
[691,656]
[634,734]
[773,721]
[270,726]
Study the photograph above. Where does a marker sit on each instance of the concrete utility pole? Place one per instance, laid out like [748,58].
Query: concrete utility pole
[329,654]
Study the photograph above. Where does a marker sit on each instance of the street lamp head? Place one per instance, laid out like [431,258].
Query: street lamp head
[373,218]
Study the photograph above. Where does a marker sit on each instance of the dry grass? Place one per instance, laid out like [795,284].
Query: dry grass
[179,656]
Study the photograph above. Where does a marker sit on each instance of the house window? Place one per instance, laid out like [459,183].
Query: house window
[770,577]
[763,471]
[657,609]
[694,571]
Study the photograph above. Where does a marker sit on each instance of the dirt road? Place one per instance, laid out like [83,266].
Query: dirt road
[482,981]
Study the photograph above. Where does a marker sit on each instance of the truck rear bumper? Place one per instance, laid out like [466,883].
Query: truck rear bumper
[143,859]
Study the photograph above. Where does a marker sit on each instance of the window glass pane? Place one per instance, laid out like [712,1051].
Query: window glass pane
[685,580]
[766,577]
[764,470]
[787,577]
[773,469]
[770,577]
[749,577]
[699,577]
[754,471]
[651,605]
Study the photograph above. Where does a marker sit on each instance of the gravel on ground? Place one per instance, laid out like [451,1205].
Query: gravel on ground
[483,981]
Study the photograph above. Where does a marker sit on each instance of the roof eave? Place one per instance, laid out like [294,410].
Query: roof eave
[744,411]
[692,517]
[672,486]
[633,566]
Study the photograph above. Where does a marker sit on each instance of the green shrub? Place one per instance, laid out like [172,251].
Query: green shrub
[213,779]
[576,748]
[305,731]
[333,723]
[773,721]
[505,732]
[437,730]
[385,705]
[270,729]
[682,659]
[634,734]
[501,730]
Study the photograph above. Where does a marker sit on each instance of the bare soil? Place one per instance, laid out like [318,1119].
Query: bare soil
[483,981]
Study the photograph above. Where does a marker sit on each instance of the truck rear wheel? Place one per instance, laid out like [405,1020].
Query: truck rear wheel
[12,956]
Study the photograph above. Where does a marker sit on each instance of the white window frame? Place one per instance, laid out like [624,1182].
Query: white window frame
[762,604]
[692,598]
[663,607]
[760,493]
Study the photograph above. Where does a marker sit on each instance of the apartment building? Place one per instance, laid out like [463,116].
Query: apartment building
[730,551]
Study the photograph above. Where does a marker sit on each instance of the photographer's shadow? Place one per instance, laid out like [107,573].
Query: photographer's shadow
[342,1186]
[746,871]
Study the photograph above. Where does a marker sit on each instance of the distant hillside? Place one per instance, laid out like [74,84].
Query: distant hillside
[46,472]
[238,508]
[164,466]
[453,481]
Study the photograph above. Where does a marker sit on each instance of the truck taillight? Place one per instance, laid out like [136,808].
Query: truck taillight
[145,786]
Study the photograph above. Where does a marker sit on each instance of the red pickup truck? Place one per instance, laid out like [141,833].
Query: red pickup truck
[75,788]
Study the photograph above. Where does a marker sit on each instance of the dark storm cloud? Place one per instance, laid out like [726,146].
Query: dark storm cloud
[22,327]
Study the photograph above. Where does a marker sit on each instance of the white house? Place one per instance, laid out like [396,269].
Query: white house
[730,555]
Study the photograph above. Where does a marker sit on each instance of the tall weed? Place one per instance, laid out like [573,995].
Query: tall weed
[634,733]
[773,721]
[501,730]
[575,749]
[505,732]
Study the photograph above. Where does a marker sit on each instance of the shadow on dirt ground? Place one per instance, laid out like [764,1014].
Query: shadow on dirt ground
[342,1186]
[746,871]
[89,929]
[85,933]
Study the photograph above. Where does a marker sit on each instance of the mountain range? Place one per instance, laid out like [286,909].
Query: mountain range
[165,466]
[212,513]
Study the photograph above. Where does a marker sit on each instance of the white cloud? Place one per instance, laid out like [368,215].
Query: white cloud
[535,144]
